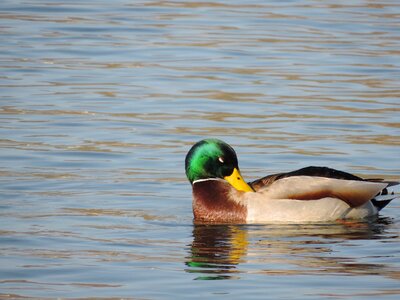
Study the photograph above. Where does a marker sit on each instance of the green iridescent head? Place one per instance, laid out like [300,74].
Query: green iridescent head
[210,158]
[213,158]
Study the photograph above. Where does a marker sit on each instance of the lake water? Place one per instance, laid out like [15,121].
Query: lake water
[101,100]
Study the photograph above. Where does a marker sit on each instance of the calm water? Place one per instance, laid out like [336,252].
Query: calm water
[101,101]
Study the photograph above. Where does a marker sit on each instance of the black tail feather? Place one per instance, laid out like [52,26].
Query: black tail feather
[380,204]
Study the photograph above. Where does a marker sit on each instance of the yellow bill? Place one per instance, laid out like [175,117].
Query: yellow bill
[236,180]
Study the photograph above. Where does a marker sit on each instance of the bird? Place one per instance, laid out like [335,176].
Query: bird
[310,194]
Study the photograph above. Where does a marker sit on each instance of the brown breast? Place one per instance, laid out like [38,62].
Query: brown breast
[212,202]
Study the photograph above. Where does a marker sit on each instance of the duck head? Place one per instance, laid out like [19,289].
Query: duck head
[213,158]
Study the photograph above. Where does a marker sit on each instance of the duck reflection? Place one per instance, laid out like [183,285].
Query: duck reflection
[217,250]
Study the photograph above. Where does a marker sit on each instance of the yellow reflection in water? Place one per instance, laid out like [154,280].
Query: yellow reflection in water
[226,251]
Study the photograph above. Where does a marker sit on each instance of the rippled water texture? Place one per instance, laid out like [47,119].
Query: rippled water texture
[101,100]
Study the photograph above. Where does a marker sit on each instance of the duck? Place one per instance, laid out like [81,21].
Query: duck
[310,194]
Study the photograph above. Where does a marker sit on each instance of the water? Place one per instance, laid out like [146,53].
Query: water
[100,102]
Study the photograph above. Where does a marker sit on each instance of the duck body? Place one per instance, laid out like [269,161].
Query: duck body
[312,194]
[295,199]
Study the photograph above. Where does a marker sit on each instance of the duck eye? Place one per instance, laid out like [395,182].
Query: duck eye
[221,160]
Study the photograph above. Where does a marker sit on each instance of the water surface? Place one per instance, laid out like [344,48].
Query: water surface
[100,102]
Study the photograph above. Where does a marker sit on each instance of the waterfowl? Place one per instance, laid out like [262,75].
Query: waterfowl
[311,194]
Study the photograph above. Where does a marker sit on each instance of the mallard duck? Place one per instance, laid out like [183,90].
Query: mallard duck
[311,194]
